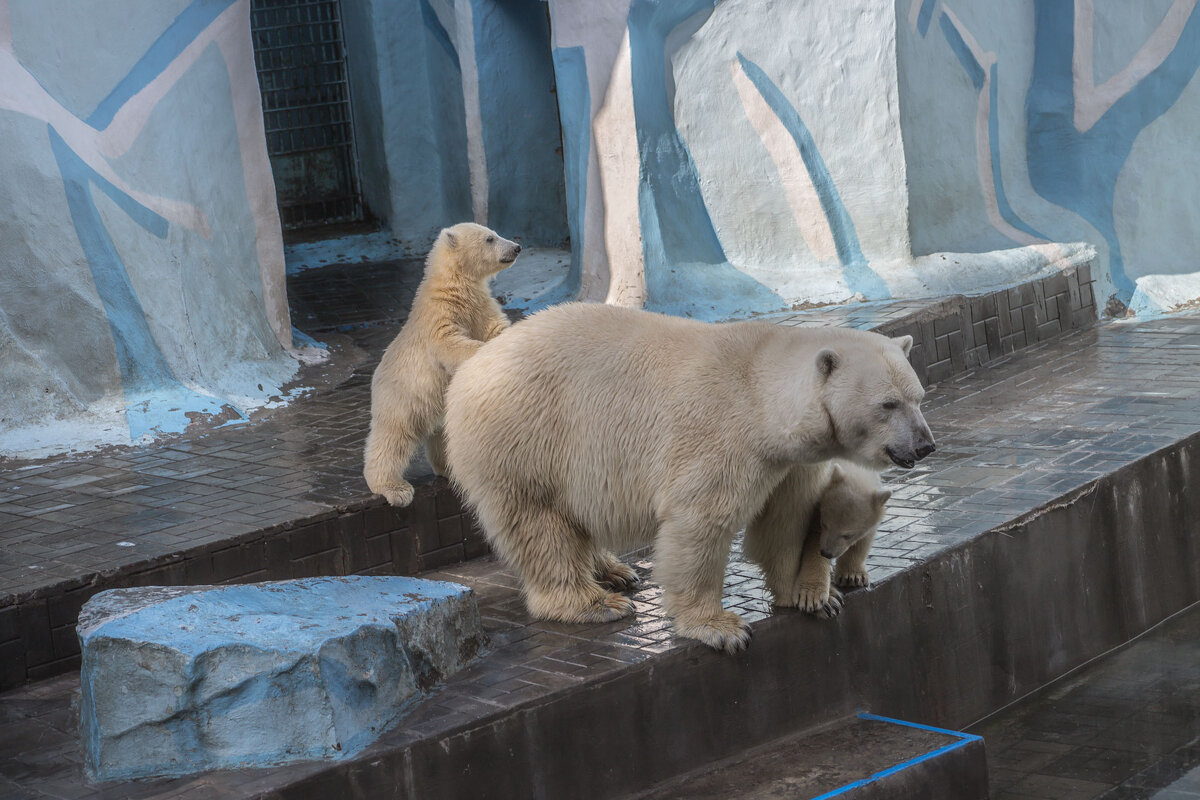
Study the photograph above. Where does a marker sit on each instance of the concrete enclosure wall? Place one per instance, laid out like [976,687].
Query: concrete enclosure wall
[875,149]
[456,115]
[863,150]
[141,263]
[1050,120]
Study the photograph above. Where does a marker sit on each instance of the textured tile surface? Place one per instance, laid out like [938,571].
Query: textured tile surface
[283,497]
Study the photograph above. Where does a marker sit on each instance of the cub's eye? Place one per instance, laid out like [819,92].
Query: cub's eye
[491,239]
[890,405]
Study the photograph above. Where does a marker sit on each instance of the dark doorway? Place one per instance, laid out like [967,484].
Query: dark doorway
[301,59]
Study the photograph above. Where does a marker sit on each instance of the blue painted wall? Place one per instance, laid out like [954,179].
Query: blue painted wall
[1053,177]
[406,85]
[575,115]
[137,269]
[520,120]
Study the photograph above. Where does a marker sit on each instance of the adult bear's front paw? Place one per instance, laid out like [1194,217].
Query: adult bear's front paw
[727,631]
[397,494]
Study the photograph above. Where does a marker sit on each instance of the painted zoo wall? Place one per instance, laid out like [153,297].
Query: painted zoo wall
[707,158]
[746,155]
[141,261]
[1053,120]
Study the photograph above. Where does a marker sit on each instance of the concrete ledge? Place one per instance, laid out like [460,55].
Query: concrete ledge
[180,680]
[944,643]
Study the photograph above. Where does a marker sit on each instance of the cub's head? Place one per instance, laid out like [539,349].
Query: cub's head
[873,400]
[474,250]
[849,508]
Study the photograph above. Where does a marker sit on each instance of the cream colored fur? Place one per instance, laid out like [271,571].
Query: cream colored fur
[590,427]
[453,314]
[817,513]
[848,513]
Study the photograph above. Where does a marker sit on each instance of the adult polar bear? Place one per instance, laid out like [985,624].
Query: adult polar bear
[590,426]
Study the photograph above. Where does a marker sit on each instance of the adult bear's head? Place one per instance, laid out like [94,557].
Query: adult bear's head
[873,400]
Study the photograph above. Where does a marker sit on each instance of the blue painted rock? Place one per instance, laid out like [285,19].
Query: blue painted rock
[184,679]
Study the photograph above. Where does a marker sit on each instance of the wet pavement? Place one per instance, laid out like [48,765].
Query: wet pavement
[1125,726]
[1013,437]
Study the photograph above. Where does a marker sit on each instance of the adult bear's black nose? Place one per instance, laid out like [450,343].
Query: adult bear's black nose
[517,247]
[925,450]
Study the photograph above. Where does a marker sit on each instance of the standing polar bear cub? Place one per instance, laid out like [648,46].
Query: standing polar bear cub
[452,315]
[589,427]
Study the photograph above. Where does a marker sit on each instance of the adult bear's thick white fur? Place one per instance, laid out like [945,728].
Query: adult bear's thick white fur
[589,426]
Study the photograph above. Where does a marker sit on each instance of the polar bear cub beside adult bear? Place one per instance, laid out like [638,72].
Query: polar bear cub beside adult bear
[817,513]
[592,426]
[453,314]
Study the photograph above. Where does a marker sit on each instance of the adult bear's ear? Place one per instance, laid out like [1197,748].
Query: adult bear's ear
[452,242]
[827,362]
[905,343]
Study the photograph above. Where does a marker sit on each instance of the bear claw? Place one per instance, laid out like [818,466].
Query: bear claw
[728,632]
[852,580]
[620,578]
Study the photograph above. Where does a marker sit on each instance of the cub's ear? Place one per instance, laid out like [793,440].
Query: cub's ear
[905,343]
[836,474]
[452,242]
[827,362]
[882,496]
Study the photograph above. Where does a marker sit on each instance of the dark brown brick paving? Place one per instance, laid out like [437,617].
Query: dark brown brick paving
[1013,436]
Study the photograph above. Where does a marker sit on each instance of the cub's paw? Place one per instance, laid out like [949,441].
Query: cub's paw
[727,632]
[821,600]
[397,494]
[617,576]
[852,579]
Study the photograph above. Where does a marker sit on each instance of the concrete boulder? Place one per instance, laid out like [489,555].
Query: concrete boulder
[183,679]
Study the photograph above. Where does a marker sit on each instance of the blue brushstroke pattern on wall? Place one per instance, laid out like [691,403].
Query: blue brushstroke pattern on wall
[155,399]
[685,265]
[143,367]
[962,52]
[859,277]
[975,73]
[1079,170]
[574,111]
[438,31]
[925,15]
[519,115]
[1002,205]
[190,22]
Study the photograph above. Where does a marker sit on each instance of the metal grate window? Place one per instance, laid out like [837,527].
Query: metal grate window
[301,61]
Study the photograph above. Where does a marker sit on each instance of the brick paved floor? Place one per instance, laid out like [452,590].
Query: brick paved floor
[65,520]
[1012,437]
[1122,727]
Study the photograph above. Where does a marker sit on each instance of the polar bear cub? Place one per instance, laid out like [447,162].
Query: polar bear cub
[453,314]
[817,513]
[843,528]
[590,427]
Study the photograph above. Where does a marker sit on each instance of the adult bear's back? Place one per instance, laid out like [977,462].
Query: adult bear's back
[582,405]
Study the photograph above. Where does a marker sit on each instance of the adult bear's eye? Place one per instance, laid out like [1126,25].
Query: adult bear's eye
[891,405]
[491,239]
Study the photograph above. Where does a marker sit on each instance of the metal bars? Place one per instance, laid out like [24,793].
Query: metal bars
[301,60]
